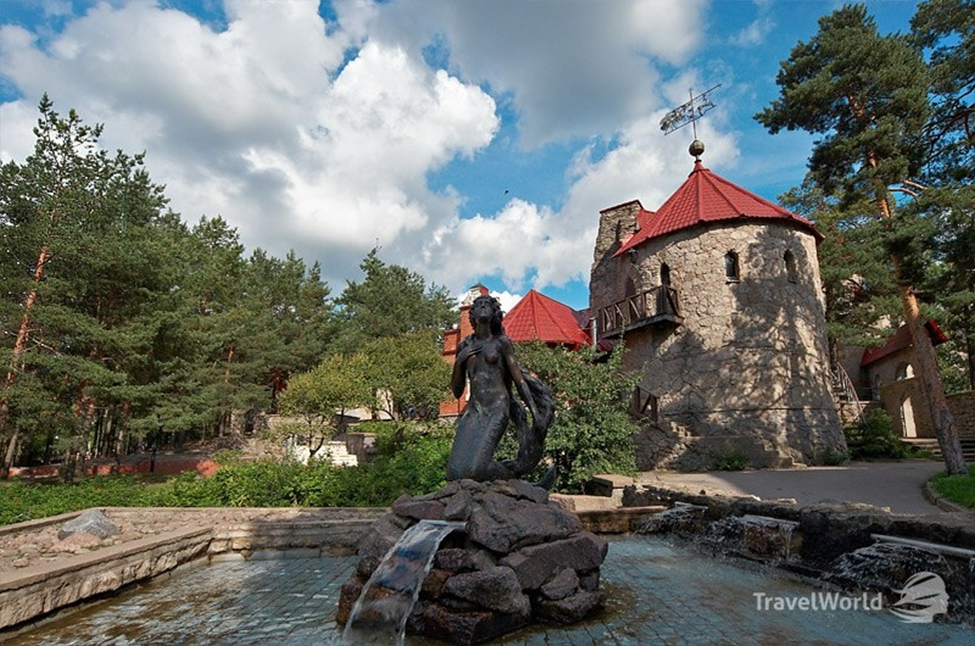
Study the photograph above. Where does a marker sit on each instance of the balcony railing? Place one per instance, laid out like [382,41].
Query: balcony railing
[656,307]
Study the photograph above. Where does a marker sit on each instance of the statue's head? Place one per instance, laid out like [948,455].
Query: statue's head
[487,307]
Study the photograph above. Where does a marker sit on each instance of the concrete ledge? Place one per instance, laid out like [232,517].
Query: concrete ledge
[618,521]
[609,485]
[219,534]
[334,536]
[42,589]
[29,525]
[943,503]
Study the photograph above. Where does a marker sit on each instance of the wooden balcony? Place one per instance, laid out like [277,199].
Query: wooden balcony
[657,307]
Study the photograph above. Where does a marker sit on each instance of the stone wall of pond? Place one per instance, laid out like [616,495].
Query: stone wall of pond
[856,547]
[746,373]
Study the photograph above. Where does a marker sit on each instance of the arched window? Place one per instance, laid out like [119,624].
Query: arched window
[731,270]
[790,266]
[665,275]
[904,371]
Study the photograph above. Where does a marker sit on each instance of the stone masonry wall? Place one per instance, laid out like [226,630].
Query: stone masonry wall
[747,372]
[962,406]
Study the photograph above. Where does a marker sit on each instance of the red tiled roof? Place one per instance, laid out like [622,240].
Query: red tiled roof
[899,340]
[538,317]
[707,197]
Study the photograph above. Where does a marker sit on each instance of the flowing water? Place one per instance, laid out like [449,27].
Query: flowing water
[380,613]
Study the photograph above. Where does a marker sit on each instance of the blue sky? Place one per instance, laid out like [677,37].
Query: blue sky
[472,141]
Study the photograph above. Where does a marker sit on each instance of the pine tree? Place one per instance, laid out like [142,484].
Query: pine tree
[867,94]
[945,31]
[391,300]
[76,222]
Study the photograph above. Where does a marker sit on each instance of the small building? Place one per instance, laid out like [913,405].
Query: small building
[884,375]
[717,299]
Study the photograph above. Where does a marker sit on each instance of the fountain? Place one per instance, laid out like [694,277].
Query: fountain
[518,559]
[522,558]
[388,597]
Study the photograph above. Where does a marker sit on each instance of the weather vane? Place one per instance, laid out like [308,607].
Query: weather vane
[688,113]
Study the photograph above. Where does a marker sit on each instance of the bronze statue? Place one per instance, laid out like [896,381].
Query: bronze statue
[487,360]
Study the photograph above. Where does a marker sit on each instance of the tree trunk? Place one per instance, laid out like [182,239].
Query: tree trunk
[970,351]
[225,417]
[20,344]
[8,458]
[927,370]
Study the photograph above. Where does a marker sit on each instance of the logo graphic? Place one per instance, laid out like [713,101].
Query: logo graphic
[922,598]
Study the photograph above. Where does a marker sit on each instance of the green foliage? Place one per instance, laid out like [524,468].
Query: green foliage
[831,458]
[21,501]
[391,300]
[732,460]
[944,30]
[410,458]
[337,384]
[865,92]
[958,488]
[140,328]
[409,373]
[875,438]
[858,280]
[592,432]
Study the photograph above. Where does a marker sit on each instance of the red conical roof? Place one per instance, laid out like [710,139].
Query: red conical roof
[538,317]
[706,197]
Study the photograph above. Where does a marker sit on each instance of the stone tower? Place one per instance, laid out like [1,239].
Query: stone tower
[717,299]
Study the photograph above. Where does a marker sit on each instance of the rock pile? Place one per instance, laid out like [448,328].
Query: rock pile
[521,558]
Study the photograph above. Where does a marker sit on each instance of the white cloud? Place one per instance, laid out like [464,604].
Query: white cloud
[529,245]
[507,300]
[571,68]
[754,34]
[322,137]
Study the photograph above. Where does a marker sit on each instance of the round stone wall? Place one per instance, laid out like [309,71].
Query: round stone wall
[746,373]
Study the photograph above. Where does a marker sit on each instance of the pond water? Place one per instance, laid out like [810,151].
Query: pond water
[657,593]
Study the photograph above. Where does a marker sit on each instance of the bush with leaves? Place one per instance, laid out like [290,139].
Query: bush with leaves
[874,437]
[592,431]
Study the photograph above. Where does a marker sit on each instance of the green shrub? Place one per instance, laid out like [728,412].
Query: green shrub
[831,458]
[874,437]
[733,460]
[411,458]
[20,501]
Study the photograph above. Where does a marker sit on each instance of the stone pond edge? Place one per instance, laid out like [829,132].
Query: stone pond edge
[38,591]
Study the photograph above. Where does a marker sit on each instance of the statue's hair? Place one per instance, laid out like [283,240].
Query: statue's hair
[496,318]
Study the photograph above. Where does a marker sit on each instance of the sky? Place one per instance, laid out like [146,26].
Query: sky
[470,141]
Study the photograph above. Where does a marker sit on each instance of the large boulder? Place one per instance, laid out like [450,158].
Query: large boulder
[520,558]
[93,522]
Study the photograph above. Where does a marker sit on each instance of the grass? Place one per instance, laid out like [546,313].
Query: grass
[959,489]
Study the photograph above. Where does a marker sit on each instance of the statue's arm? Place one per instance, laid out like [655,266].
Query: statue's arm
[458,378]
[514,369]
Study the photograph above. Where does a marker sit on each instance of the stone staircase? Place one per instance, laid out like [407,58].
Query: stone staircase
[931,444]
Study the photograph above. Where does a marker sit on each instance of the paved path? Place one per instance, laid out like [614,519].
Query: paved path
[896,485]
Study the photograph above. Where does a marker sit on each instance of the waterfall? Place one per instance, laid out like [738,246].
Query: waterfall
[380,613]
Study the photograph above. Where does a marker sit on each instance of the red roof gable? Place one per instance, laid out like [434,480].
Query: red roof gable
[707,197]
[538,317]
[899,340]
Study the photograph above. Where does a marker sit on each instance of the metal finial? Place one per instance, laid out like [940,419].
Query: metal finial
[696,149]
